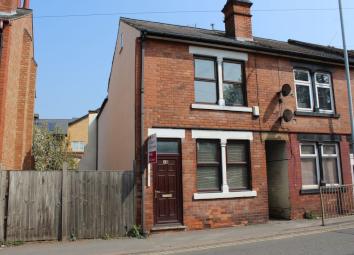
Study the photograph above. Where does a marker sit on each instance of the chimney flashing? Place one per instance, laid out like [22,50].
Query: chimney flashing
[8,13]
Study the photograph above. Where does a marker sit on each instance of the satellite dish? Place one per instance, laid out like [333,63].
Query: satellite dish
[288,115]
[286,90]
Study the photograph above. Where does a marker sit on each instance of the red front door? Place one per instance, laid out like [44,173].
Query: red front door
[167,190]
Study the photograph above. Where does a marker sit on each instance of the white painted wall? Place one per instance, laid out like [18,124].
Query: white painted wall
[116,124]
[88,162]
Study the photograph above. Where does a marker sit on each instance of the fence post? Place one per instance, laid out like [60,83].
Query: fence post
[322,206]
[64,203]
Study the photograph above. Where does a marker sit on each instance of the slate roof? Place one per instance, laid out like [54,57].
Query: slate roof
[55,126]
[289,48]
[19,14]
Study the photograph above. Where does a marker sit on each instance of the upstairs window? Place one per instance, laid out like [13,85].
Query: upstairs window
[205,81]
[303,90]
[324,92]
[219,82]
[314,92]
[233,83]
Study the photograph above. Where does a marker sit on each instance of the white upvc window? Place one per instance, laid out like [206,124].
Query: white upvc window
[78,146]
[304,95]
[313,87]
[324,92]
[331,164]
[310,166]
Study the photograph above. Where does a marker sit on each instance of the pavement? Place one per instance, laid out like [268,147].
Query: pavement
[190,242]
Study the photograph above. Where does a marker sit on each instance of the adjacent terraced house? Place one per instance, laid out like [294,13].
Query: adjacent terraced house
[17,84]
[247,128]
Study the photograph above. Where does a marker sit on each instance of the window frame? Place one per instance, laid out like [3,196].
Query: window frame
[319,153]
[324,85]
[318,169]
[196,57]
[247,163]
[219,158]
[304,83]
[78,144]
[333,156]
[242,83]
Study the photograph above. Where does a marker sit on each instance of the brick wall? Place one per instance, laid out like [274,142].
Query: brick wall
[169,73]
[169,94]
[18,93]
[300,204]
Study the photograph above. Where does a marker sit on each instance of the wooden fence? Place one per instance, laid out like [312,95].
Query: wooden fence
[56,205]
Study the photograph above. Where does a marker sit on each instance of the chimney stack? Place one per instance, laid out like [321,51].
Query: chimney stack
[238,19]
[8,7]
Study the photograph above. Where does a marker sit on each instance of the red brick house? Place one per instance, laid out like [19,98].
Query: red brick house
[17,84]
[248,128]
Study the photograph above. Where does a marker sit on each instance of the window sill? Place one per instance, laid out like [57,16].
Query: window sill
[318,114]
[223,108]
[309,191]
[223,195]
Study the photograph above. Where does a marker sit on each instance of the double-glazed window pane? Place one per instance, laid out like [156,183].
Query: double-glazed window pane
[237,165]
[205,81]
[330,164]
[301,75]
[303,95]
[309,165]
[329,150]
[233,86]
[233,94]
[330,170]
[323,78]
[309,171]
[205,69]
[324,98]
[208,171]
[205,92]
[236,152]
[208,178]
[232,72]
[308,149]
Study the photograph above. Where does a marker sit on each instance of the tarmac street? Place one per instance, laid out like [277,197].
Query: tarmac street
[339,242]
[276,237]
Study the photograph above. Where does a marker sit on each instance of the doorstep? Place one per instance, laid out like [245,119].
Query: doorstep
[169,227]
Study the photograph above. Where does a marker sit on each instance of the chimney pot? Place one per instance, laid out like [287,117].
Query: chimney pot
[26,4]
[238,19]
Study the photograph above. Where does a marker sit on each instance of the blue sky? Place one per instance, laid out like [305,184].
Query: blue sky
[74,54]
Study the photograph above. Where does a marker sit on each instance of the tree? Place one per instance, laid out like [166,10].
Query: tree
[50,150]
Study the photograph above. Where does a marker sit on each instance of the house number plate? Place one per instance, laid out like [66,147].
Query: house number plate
[167,196]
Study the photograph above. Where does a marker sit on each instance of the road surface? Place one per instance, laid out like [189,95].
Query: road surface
[339,242]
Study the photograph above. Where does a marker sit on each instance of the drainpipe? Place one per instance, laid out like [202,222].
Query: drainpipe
[142,141]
